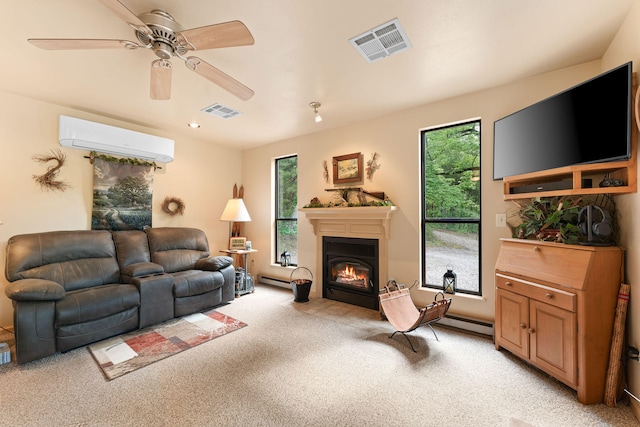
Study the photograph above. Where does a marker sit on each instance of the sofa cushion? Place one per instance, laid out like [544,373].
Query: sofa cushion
[131,247]
[195,282]
[74,259]
[95,303]
[177,248]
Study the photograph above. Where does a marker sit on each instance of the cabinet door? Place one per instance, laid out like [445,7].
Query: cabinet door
[553,341]
[512,322]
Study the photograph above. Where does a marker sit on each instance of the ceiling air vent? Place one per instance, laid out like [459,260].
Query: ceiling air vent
[382,41]
[221,111]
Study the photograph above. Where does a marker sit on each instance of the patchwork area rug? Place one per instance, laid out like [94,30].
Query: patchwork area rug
[126,353]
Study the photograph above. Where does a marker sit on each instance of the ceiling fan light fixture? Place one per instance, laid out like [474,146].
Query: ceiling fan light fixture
[315,105]
[158,31]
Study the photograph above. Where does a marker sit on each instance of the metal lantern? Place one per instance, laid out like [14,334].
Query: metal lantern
[285,259]
[449,281]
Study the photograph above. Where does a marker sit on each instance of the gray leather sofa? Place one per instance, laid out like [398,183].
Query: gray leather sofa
[72,288]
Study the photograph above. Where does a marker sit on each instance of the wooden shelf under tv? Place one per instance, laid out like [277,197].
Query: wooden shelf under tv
[625,170]
[573,176]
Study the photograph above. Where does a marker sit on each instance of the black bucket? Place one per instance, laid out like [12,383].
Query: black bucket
[301,287]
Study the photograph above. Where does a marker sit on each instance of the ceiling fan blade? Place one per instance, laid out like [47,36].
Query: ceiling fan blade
[227,34]
[216,76]
[127,16]
[77,44]
[160,80]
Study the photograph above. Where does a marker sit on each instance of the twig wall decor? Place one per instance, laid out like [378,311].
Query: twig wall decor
[372,165]
[48,181]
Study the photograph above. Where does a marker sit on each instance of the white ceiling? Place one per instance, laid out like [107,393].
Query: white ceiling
[301,54]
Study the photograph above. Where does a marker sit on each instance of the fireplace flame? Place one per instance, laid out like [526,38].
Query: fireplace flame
[351,276]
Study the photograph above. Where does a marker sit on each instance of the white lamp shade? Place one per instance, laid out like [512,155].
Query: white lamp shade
[235,211]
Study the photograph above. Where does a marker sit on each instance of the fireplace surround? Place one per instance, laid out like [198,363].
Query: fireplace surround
[363,222]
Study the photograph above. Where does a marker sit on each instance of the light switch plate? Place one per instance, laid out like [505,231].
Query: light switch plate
[501,220]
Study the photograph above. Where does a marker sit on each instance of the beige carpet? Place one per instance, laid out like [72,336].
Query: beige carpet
[319,363]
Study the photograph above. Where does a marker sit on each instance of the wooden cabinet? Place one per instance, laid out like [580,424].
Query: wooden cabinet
[555,306]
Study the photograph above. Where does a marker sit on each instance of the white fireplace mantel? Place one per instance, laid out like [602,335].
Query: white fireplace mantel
[361,221]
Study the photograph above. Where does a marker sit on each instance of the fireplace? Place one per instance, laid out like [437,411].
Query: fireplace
[350,270]
[364,224]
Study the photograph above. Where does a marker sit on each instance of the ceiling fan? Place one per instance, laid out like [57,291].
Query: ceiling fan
[158,31]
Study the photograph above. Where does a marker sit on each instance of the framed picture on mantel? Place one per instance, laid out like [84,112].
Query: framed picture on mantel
[347,168]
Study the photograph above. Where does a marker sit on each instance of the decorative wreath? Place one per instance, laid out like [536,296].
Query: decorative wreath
[179,206]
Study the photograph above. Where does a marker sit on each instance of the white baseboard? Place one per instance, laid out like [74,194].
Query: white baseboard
[275,281]
[469,325]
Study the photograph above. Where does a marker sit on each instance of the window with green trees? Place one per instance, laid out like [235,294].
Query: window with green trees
[286,189]
[451,209]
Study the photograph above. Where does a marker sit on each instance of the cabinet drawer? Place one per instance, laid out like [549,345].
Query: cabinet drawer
[567,265]
[551,296]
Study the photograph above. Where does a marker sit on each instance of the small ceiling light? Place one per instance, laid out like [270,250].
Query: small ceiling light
[194,125]
[315,105]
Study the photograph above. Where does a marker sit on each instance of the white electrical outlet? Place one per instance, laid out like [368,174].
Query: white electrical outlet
[501,220]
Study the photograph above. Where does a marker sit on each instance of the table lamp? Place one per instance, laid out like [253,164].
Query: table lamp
[235,211]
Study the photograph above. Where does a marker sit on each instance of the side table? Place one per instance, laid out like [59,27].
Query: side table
[245,286]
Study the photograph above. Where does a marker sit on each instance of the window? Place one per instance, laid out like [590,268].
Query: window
[451,209]
[286,196]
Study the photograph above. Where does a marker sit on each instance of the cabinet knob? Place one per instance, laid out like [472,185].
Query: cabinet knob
[523,326]
[536,249]
[531,331]
[507,283]
[548,296]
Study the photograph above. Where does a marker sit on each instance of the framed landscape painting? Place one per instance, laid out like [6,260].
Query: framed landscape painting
[347,168]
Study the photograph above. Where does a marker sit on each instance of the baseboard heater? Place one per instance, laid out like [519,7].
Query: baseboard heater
[275,281]
[468,325]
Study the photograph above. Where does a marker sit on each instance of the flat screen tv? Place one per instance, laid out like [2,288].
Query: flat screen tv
[588,123]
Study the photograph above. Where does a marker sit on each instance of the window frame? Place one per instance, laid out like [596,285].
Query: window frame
[425,220]
[277,218]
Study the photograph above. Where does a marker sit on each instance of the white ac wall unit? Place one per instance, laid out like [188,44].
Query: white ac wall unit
[91,136]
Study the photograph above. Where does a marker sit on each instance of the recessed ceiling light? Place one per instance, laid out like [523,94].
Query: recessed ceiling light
[194,125]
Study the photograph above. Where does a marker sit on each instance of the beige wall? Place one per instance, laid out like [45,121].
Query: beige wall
[626,47]
[396,138]
[202,175]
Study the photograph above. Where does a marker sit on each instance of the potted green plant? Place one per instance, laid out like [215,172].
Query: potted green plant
[550,218]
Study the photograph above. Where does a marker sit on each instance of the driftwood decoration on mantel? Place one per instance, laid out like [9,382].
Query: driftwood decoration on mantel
[48,181]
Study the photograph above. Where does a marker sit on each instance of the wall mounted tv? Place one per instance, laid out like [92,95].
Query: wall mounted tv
[588,123]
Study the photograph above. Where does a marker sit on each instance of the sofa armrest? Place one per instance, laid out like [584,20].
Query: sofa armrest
[214,263]
[35,290]
[156,298]
[140,269]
